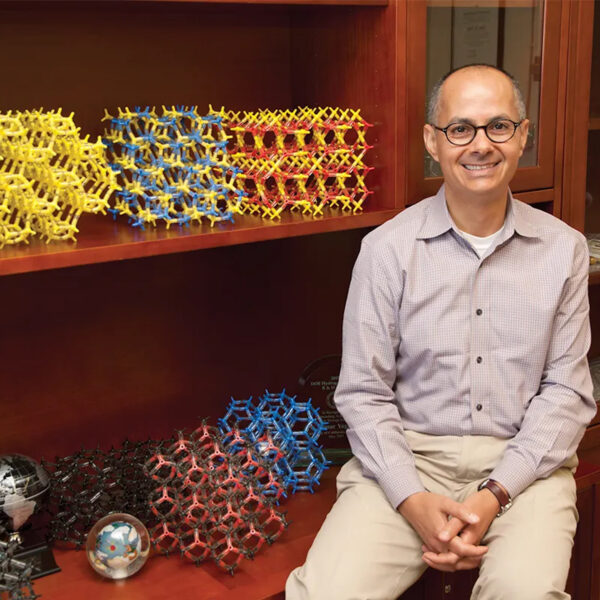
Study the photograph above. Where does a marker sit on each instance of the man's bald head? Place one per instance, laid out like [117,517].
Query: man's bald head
[435,98]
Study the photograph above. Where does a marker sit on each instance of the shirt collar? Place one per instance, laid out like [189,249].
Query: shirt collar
[438,219]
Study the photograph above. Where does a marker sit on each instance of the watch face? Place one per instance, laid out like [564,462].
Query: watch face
[504,508]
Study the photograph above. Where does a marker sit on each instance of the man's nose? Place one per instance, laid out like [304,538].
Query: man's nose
[481,143]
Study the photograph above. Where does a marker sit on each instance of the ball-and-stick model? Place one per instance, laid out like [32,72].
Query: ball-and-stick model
[172,167]
[305,158]
[89,484]
[15,574]
[294,427]
[49,176]
[211,497]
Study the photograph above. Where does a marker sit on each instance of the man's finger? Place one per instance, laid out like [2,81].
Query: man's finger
[448,566]
[442,558]
[465,564]
[440,566]
[464,550]
[451,530]
[458,510]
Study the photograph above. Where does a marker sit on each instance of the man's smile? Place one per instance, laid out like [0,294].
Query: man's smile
[480,167]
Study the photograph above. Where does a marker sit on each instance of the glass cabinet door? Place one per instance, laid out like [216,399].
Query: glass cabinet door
[520,36]
[592,205]
[592,196]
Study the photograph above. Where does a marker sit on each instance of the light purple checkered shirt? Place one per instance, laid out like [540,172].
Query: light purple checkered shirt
[439,341]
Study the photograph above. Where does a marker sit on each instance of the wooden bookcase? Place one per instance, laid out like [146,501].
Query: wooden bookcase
[96,352]
[131,334]
[135,334]
[88,56]
[582,151]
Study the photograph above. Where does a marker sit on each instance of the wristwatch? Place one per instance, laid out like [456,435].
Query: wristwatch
[502,496]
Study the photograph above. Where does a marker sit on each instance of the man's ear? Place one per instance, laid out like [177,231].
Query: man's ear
[524,127]
[430,139]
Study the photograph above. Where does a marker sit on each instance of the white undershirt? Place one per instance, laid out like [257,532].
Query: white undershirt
[480,244]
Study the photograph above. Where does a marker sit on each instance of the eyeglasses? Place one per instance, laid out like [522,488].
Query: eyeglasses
[497,131]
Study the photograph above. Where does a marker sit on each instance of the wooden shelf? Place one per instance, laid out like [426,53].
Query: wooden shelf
[172,577]
[282,2]
[246,2]
[594,123]
[103,240]
[264,577]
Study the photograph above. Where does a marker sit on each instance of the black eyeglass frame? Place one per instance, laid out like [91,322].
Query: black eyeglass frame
[476,128]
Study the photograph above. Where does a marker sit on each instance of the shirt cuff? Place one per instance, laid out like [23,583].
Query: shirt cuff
[399,483]
[513,474]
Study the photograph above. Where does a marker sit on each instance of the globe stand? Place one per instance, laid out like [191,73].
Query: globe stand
[36,551]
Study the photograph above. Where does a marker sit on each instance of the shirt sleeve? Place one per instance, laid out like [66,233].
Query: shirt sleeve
[365,393]
[557,416]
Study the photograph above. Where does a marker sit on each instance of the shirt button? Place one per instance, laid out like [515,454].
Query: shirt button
[479,359]
[478,312]
[479,407]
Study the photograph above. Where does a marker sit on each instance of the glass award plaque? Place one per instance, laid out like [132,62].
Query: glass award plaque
[318,381]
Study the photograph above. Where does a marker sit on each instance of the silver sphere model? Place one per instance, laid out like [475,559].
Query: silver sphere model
[23,485]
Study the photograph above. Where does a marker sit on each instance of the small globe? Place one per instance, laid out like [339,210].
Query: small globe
[118,546]
[23,484]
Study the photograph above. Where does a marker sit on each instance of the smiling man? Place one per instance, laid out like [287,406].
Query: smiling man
[464,380]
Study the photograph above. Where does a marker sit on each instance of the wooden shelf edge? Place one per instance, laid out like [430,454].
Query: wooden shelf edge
[260,579]
[247,2]
[131,244]
[594,123]
[280,2]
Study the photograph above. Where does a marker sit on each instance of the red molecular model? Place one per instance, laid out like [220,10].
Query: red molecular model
[215,496]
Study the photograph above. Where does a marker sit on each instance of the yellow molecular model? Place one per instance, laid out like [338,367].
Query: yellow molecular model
[49,176]
[306,158]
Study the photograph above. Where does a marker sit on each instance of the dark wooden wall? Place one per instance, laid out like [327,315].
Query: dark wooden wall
[91,355]
[88,56]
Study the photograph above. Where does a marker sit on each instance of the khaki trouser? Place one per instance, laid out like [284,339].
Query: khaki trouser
[366,550]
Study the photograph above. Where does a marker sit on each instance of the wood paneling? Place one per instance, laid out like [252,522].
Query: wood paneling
[354,57]
[92,355]
[87,56]
[595,80]
[577,113]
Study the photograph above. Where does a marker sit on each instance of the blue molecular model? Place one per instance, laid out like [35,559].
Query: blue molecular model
[172,167]
[293,426]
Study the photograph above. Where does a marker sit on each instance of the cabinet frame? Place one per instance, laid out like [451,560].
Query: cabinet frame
[540,177]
